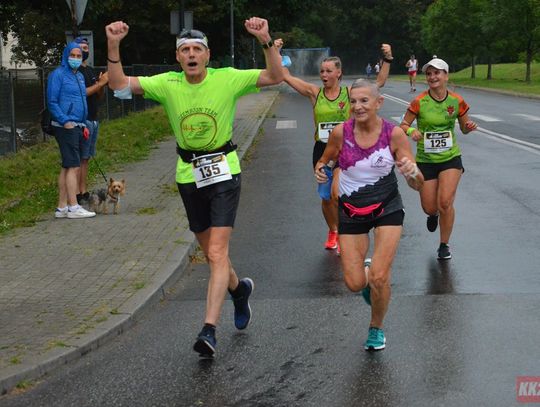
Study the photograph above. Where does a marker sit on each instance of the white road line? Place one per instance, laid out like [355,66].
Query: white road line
[502,138]
[286,124]
[397,119]
[523,144]
[527,116]
[485,118]
[395,99]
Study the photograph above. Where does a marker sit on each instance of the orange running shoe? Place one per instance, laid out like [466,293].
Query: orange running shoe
[331,241]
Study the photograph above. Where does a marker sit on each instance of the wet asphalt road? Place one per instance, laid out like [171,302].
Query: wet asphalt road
[459,332]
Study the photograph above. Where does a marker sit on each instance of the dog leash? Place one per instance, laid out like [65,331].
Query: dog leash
[99,168]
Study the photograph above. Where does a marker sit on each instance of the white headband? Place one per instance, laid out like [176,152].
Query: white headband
[182,41]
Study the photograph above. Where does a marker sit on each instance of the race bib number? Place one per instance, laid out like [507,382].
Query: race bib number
[325,129]
[210,169]
[437,141]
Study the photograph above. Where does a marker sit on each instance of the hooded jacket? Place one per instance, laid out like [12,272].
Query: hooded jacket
[66,92]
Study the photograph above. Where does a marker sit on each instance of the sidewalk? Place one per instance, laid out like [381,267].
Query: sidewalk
[68,286]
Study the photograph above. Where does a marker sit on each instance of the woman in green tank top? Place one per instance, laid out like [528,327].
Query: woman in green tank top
[330,107]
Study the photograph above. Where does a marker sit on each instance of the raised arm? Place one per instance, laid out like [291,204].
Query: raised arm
[272,74]
[385,67]
[304,88]
[117,79]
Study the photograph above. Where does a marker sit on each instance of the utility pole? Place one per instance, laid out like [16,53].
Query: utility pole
[232,33]
[74,19]
[181,15]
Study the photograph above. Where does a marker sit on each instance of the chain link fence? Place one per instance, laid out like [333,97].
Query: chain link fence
[23,98]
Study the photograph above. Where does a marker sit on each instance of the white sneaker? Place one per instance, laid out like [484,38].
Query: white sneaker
[59,213]
[80,213]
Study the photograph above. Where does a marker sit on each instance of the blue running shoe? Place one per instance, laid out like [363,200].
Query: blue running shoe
[366,292]
[242,310]
[375,340]
[205,344]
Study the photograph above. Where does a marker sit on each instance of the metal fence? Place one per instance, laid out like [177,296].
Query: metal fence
[23,98]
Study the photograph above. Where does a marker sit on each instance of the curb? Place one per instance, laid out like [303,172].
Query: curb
[130,312]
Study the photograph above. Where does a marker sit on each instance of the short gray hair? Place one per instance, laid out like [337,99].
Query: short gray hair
[364,83]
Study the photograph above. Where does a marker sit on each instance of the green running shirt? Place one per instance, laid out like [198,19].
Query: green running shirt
[432,115]
[201,115]
[326,110]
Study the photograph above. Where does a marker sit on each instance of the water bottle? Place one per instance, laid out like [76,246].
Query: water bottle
[325,189]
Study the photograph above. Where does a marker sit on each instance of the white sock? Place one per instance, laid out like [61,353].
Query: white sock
[73,208]
[64,209]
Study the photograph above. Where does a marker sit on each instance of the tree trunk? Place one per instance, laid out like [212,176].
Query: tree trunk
[528,62]
[473,67]
[489,66]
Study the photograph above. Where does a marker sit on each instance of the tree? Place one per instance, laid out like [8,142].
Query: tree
[522,19]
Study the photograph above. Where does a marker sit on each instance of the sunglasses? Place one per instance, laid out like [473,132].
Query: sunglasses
[191,34]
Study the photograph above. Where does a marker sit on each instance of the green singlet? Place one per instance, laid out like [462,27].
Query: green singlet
[201,115]
[331,111]
[437,117]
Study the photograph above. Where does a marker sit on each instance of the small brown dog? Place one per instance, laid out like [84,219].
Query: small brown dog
[99,200]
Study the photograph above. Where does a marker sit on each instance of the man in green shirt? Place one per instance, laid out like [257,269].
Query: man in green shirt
[200,103]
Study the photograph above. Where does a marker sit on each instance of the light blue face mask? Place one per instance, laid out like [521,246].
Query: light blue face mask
[74,63]
[124,93]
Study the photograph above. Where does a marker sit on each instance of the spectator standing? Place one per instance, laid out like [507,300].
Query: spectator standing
[66,101]
[95,87]
[368,70]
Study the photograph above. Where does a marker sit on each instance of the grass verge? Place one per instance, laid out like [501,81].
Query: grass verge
[28,179]
[507,78]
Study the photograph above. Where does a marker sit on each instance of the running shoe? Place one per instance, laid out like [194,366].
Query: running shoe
[366,292]
[443,253]
[61,213]
[331,241]
[205,345]
[79,213]
[432,222]
[242,310]
[375,340]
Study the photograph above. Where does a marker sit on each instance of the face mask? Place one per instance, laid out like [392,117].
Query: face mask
[74,63]
[85,55]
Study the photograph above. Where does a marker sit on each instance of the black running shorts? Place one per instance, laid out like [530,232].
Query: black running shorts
[212,205]
[361,228]
[431,170]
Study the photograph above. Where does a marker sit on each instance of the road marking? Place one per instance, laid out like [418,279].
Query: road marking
[397,118]
[502,138]
[485,118]
[535,148]
[395,99]
[286,124]
[527,116]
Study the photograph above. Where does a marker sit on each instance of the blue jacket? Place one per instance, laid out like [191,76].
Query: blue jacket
[66,92]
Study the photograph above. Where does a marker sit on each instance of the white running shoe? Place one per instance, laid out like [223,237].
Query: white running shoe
[80,213]
[59,213]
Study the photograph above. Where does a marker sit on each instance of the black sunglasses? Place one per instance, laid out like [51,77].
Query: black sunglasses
[192,34]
